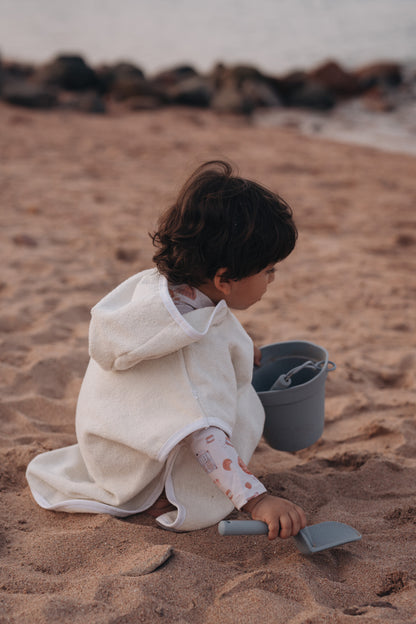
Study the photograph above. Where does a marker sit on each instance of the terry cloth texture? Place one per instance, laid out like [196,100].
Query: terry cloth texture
[154,377]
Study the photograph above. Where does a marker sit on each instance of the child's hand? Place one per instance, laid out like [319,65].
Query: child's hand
[284,519]
[257,356]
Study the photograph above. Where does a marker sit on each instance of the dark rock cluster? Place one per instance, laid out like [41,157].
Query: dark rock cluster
[69,82]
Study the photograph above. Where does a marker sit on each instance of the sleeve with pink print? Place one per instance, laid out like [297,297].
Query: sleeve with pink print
[218,457]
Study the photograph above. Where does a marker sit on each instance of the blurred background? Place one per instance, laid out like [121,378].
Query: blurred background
[324,67]
[277,35]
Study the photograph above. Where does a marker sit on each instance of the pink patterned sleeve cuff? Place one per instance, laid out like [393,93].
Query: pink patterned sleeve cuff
[218,457]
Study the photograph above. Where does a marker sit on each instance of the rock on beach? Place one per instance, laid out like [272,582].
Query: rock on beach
[239,89]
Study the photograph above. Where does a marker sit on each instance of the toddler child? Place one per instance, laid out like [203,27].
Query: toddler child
[167,417]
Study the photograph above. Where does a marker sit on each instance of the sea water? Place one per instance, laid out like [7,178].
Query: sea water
[274,35]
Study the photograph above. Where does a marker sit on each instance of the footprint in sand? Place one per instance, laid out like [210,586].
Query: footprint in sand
[51,376]
[13,352]
[393,583]
[13,322]
[54,333]
[348,461]
[400,516]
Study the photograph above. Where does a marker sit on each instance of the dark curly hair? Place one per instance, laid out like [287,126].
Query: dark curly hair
[222,221]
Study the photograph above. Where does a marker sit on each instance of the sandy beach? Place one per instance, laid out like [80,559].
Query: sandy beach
[79,195]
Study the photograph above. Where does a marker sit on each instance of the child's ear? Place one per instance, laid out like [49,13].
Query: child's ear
[222,283]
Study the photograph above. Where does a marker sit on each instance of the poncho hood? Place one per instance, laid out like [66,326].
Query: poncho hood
[129,325]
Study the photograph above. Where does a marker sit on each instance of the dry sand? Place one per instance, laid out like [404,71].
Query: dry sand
[78,196]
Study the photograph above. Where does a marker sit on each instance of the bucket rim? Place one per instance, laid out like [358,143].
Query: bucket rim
[292,390]
[288,342]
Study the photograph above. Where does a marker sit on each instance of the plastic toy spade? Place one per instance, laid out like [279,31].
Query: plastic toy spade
[311,539]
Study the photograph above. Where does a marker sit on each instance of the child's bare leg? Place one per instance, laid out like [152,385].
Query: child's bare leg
[161,506]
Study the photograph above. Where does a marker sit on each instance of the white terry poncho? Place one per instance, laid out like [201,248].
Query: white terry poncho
[154,377]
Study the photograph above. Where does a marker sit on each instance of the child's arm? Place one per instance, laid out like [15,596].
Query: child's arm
[220,460]
[257,356]
[218,457]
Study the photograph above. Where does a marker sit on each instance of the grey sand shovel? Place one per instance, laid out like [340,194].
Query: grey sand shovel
[311,539]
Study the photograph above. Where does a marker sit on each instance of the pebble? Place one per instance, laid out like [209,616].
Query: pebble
[150,560]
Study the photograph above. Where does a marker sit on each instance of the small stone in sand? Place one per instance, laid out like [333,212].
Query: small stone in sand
[150,560]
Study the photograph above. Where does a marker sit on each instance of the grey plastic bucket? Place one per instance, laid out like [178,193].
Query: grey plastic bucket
[295,414]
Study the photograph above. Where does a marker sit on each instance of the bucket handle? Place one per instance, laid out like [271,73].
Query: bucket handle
[285,380]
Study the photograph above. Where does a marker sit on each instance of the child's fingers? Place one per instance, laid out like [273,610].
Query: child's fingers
[302,516]
[273,530]
[296,522]
[290,524]
[286,524]
[257,356]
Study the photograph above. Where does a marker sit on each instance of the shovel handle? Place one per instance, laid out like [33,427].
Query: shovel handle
[242,527]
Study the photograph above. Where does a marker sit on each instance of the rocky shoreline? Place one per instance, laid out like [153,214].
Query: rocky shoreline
[69,82]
